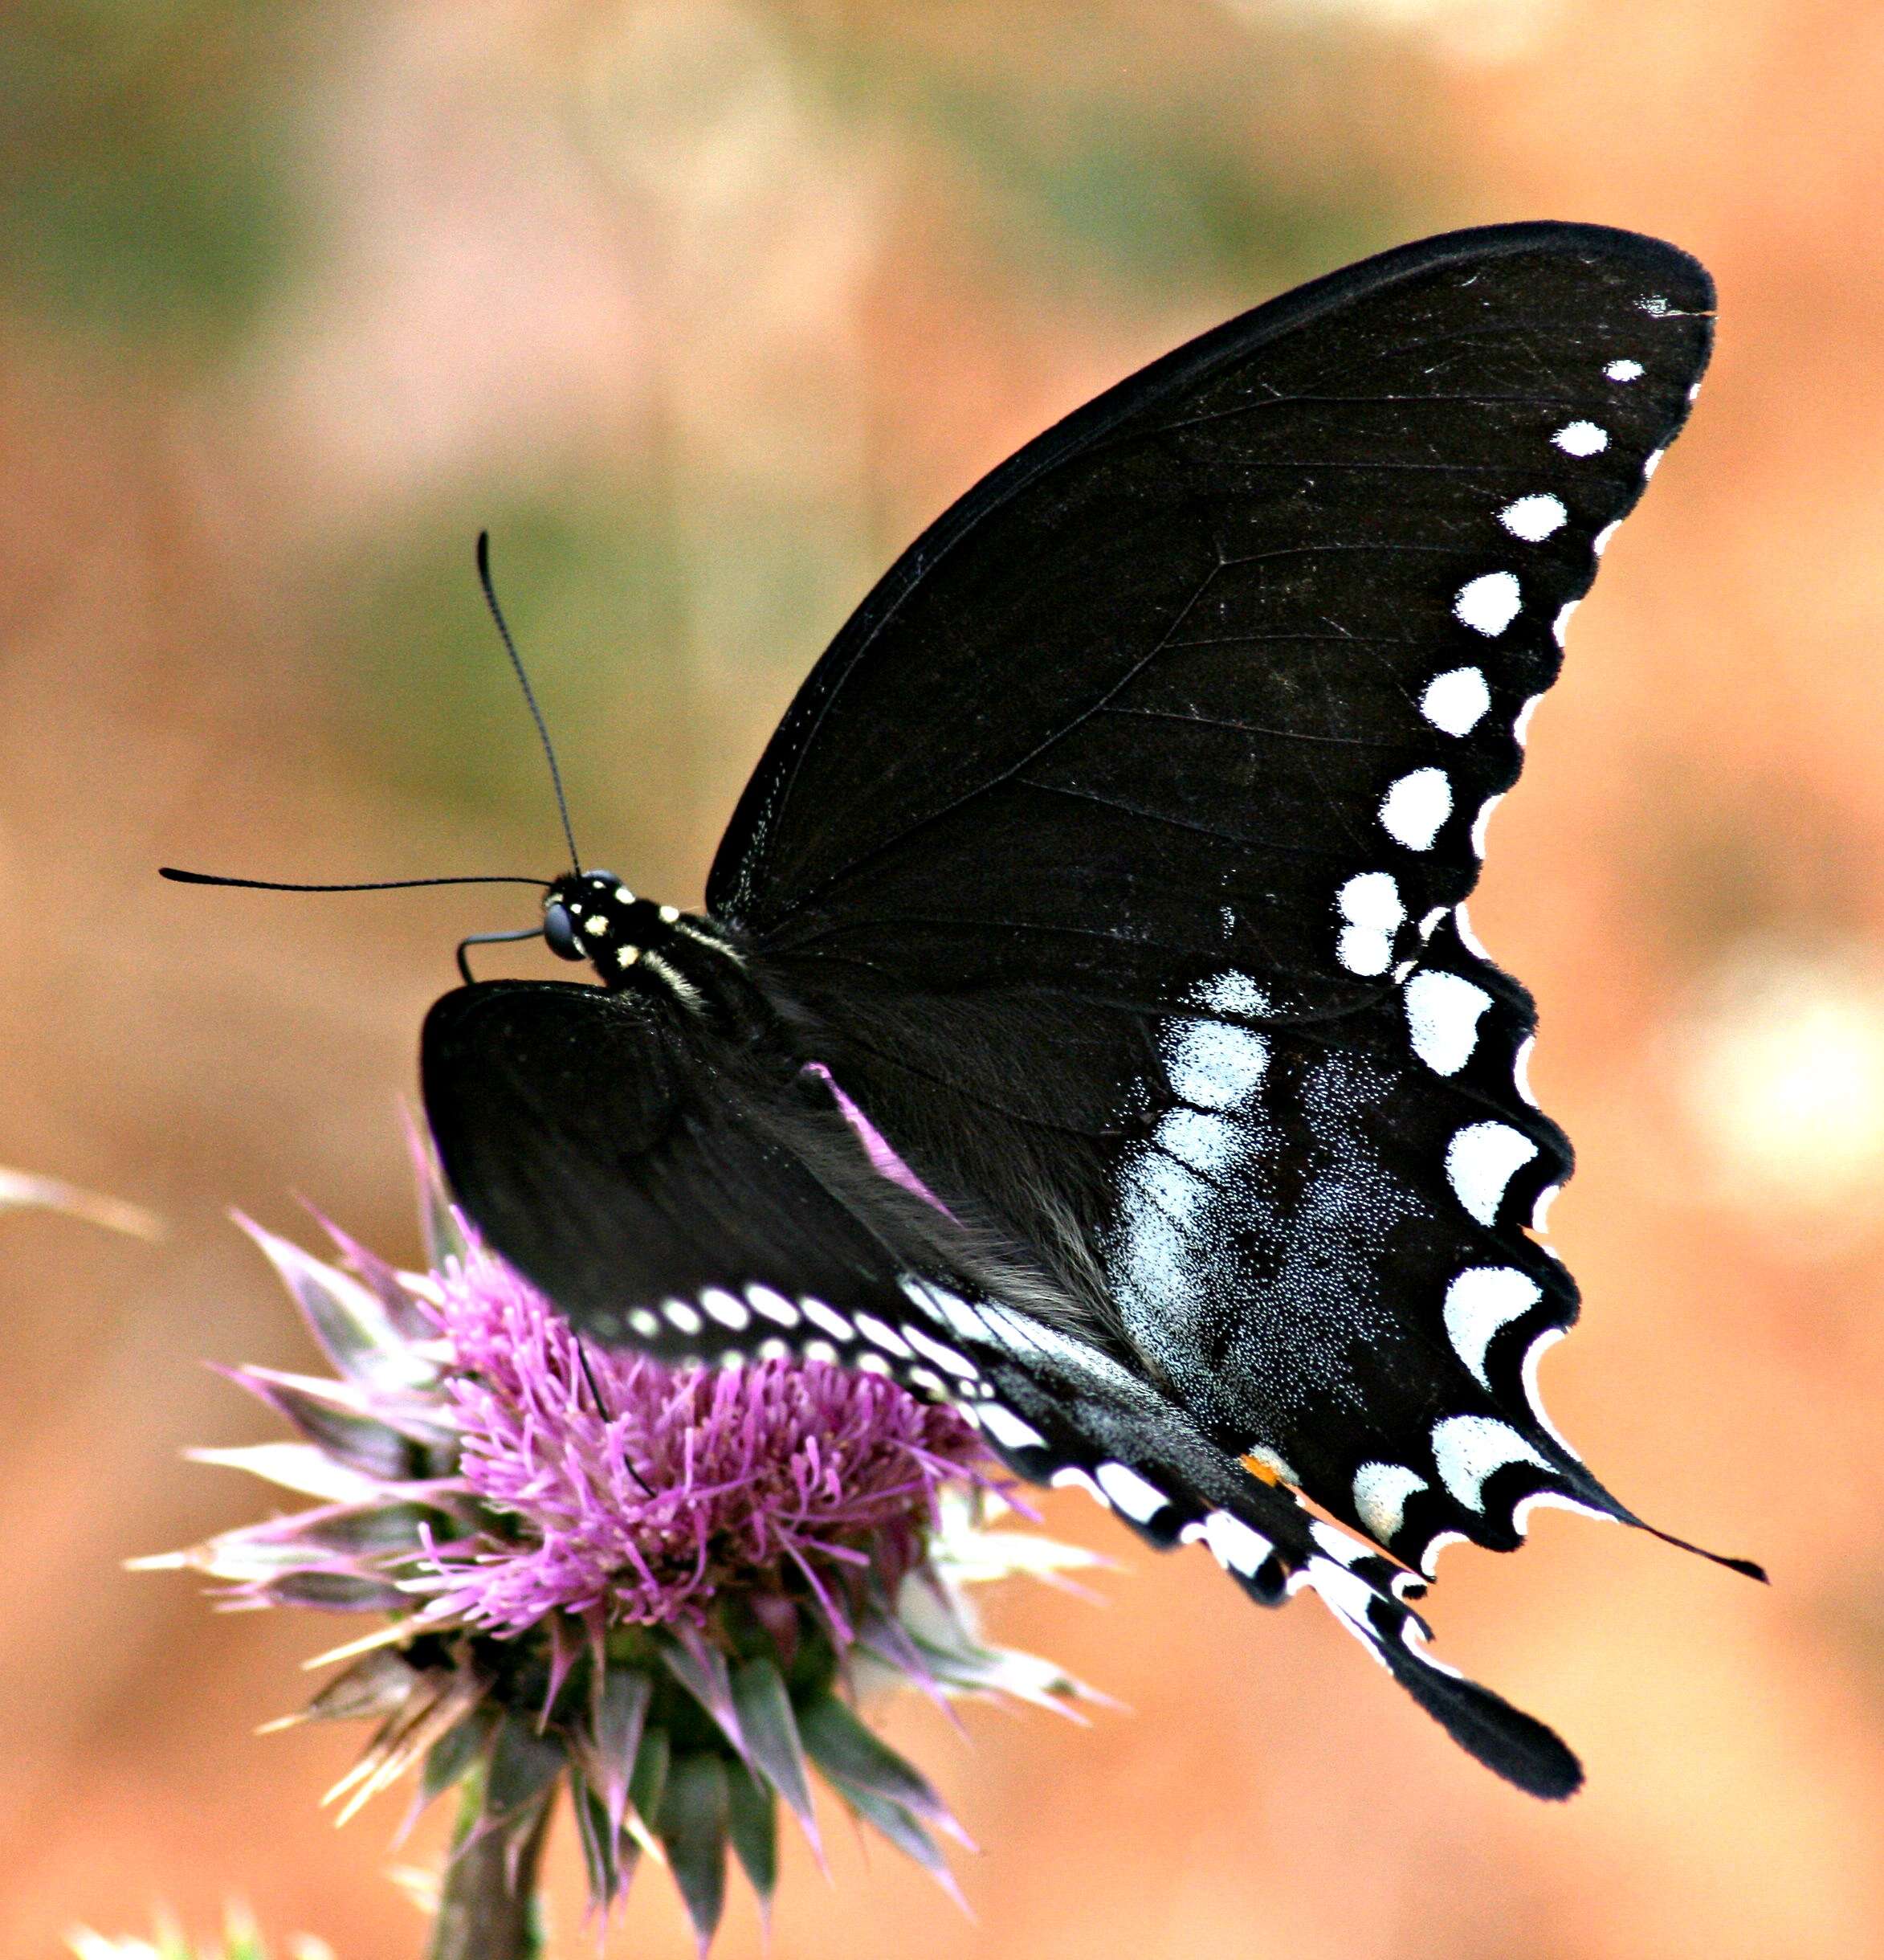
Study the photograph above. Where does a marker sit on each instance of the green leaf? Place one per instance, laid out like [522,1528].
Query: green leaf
[524,1764]
[346,1318]
[850,1754]
[437,1223]
[606,1857]
[358,1441]
[649,1783]
[751,1817]
[693,1826]
[611,1742]
[377,1683]
[771,1730]
[455,1753]
[702,1672]
[903,1831]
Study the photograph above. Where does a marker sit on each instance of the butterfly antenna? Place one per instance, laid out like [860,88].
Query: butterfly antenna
[510,646]
[601,1406]
[378,884]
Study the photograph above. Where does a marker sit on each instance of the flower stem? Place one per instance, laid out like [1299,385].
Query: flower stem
[487,1907]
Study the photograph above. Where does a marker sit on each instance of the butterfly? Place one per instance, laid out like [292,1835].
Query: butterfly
[1084,1025]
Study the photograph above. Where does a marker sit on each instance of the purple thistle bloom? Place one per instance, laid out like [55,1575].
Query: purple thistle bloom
[658,1590]
[777,1477]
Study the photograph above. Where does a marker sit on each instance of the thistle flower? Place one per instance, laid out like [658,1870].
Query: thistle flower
[664,1591]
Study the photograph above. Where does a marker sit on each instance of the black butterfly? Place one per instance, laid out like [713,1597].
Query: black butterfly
[1084,1025]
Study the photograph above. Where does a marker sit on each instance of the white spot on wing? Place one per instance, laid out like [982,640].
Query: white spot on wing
[1468,1449]
[1521,728]
[1560,625]
[1139,1501]
[1552,1500]
[1213,1065]
[1008,1429]
[1273,1461]
[1371,905]
[1236,1547]
[678,1314]
[1443,1011]
[1482,822]
[1534,518]
[1521,1069]
[1582,439]
[1489,603]
[1455,701]
[944,1356]
[1233,993]
[1600,543]
[1624,370]
[725,1309]
[1413,809]
[1481,1161]
[1380,1492]
[774,1307]
[1480,1300]
[1547,1338]
[828,1318]
[1438,1543]
[1652,462]
[880,1333]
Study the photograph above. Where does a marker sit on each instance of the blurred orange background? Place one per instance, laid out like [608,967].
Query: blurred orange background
[703,308]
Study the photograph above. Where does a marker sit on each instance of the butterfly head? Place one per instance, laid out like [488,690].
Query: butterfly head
[592,916]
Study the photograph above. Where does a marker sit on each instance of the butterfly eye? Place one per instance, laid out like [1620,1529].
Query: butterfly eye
[559,929]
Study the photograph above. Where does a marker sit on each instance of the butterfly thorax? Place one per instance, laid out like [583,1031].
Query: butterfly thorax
[636,943]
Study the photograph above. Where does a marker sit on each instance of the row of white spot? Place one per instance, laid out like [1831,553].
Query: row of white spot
[1416,806]
[875,1346]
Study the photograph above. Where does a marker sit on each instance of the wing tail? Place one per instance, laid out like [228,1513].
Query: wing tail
[1068,1416]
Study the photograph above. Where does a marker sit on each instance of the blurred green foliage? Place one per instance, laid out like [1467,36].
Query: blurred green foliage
[619,597]
[1172,154]
[146,190]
